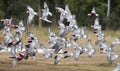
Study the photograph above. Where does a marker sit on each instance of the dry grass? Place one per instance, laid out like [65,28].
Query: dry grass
[97,63]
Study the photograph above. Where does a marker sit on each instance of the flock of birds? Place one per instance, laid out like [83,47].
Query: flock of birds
[57,42]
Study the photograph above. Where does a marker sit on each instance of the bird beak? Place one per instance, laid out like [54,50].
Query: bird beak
[68,21]
[89,14]
[27,11]
[40,18]
[97,35]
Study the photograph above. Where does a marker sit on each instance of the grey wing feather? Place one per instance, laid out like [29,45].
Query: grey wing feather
[77,54]
[30,8]
[46,52]
[44,49]
[58,58]
[15,62]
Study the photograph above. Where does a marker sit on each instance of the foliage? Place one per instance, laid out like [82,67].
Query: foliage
[17,9]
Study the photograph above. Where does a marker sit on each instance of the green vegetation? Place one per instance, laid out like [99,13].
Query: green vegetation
[17,9]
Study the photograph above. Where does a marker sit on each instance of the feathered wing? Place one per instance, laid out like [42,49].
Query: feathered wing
[68,54]
[30,8]
[2,46]
[93,10]
[62,17]
[15,62]
[58,58]
[46,52]
[69,16]
[79,51]
[111,56]
[96,22]
[47,9]
[30,18]
[91,50]
[77,54]
[62,11]
[74,43]
[45,5]
[46,13]
[68,10]
[31,14]
[21,23]
[90,44]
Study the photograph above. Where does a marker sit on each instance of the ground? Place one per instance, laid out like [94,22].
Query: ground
[97,63]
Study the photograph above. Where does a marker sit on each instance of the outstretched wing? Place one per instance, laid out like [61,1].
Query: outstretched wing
[30,18]
[58,58]
[46,52]
[30,8]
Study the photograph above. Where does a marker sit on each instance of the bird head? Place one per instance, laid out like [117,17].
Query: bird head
[27,11]
[65,52]
[55,57]
[89,14]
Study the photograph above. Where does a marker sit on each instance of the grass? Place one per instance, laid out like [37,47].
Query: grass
[97,63]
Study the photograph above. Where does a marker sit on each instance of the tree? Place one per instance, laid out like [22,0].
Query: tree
[17,9]
[39,13]
[108,8]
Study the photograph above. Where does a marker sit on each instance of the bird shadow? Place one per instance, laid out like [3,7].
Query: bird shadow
[106,65]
